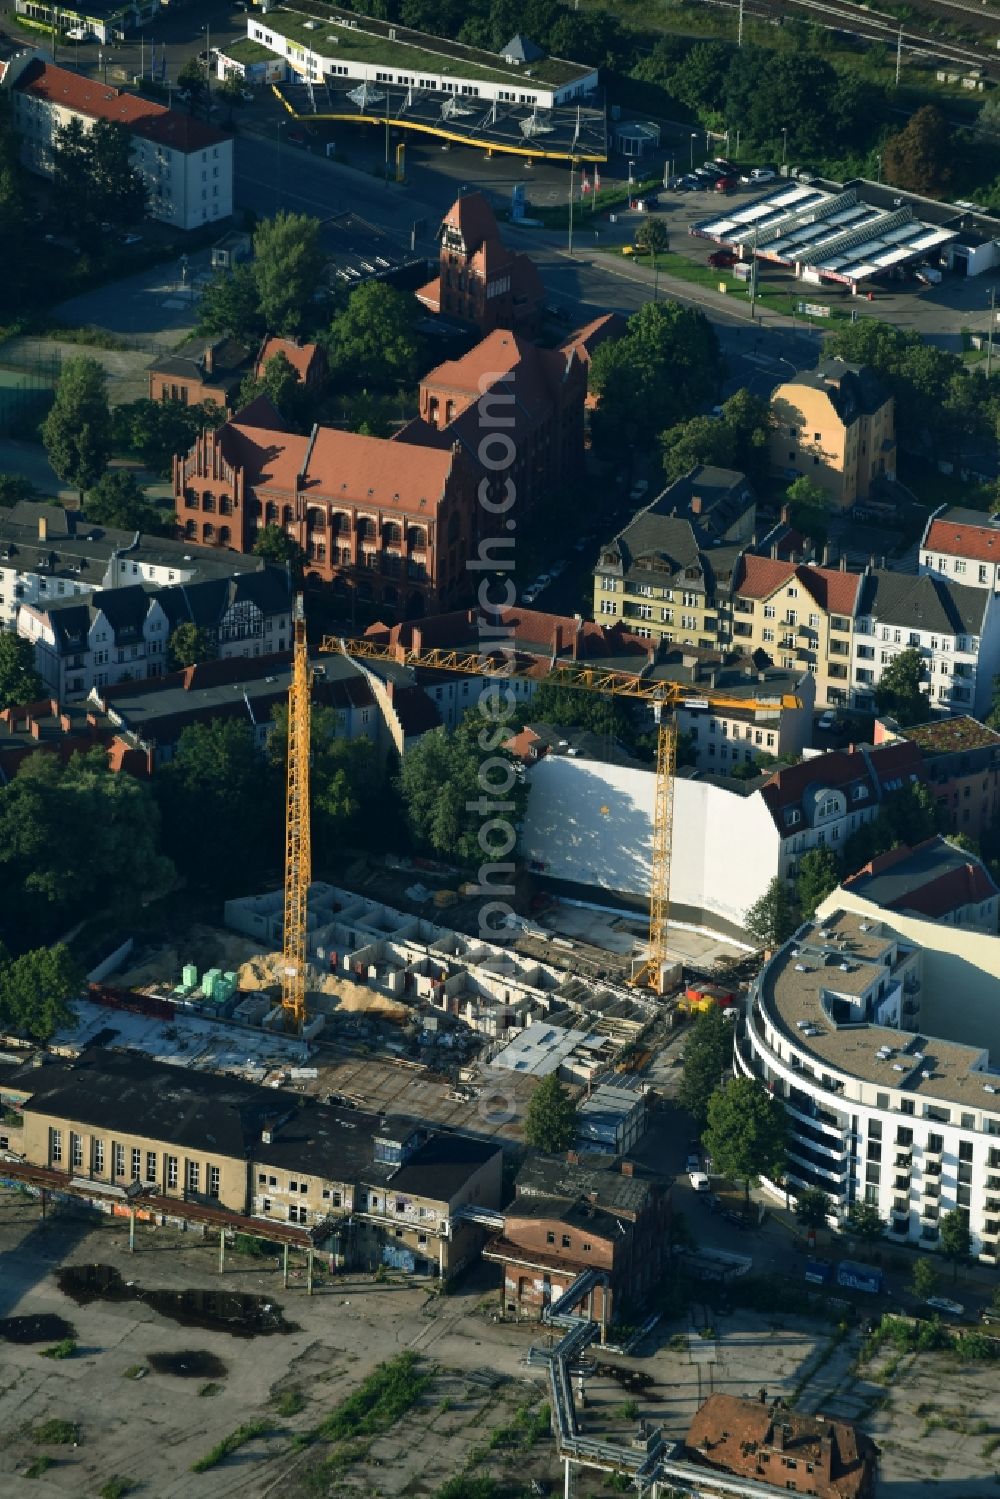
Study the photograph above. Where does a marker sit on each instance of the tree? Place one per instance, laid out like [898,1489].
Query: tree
[281,384]
[665,368]
[19,681]
[924,1282]
[772,918]
[287,269]
[863,1222]
[153,431]
[697,80]
[118,499]
[810,508]
[373,340]
[442,794]
[230,305]
[95,181]
[205,791]
[899,692]
[77,430]
[920,157]
[751,419]
[812,1208]
[818,875]
[278,548]
[550,1119]
[746,1132]
[652,237]
[956,1240]
[700,440]
[193,77]
[14,488]
[35,990]
[230,93]
[708,1055]
[346,780]
[189,646]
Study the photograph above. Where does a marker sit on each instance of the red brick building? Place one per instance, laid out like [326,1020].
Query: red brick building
[572,1215]
[393,528]
[480,281]
[961,766]
[200,372]
[508,397]
[785,1449]
[307,360]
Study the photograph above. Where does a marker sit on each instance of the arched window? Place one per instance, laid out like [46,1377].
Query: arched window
[191,529]
[391,533]
[340,524]
[208,501]
[366,528]
[225,505]
[287,516]
[270,513]
[416,536]
[208,532]
[316,519]
[225,535]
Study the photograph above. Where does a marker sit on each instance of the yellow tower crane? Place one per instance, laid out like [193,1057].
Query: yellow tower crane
[298,839]
[662,696]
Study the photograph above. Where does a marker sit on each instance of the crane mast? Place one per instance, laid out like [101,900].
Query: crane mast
[298,843]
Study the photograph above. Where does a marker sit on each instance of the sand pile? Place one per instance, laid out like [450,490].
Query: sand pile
[264,972]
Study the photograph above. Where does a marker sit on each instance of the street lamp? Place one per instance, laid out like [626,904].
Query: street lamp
[784,144]
[878,167]
[694,137]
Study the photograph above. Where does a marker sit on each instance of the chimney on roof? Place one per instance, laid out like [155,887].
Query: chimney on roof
[774,551]
[696,504]
[577,632]
[572,1158]
[43,528]
[557,639]
[825,557]
[786,515]
[843,562]
[778,1437]
[627,1168]
[208,363]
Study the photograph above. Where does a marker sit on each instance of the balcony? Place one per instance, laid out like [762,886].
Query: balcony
[901,1184]
[904,1158]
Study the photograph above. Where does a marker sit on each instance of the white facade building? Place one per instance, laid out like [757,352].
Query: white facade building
[879,1110]
[962,546]
[186,164]
[122,635]
[955,628]
[48,554]
[317,51]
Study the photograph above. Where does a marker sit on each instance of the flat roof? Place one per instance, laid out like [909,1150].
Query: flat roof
[848,234]
[358,250]
[542,1048]
[952,735]
[792,988]
[577,130]
[362,39]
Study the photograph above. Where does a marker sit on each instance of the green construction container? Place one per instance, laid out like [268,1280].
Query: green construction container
[230,977]
[189,975]
[209,979]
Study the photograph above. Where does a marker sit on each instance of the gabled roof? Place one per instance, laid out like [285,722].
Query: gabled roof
[100,101]
[302,357]
[932,879]
[227,357]
[864,775]
[473,218]
[923,603]
[585,340]
[835,591]
[963,533]
[853,390]
[732,1433]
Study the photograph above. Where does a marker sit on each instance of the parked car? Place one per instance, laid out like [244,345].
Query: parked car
[727,184]
[763,174]
[944,1304]
[990,1315]
[78,34]
[828,721]
[712,168]
[699,1181]
[723,259]
[693,1162]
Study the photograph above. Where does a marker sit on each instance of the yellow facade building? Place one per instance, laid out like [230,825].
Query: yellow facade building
[801,617]
[836,426]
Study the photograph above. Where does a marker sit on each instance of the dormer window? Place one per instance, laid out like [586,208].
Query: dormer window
[859,793]
[792,817]
[830,807]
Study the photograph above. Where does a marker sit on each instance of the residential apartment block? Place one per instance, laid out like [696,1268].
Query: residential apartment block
[123,634]
[48,554]
[961,765]
[799,616]
[669,574]
[956,630]
[480,282]
[172,1140]
[578,1214]
[185,164]
[836,426]
[516,411]
[841,1028]
[724,739]
[935,881]
[385,524]
[962,546]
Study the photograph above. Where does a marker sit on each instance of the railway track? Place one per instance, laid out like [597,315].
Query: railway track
[880,26]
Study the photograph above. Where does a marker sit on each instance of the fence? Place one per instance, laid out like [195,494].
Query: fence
[27,382]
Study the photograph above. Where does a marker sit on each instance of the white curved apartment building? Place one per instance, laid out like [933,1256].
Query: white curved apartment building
[878,1110]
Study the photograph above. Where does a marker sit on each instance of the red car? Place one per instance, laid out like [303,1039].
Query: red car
[726,184]
[722,259]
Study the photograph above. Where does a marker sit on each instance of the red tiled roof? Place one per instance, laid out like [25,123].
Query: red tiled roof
[301,357]
[966,884]
[590,337]
[733,1434]
[980,543]
[532,631]
[839,768]
[474,219]
[100,101]
[430,294]
[833,590]
[534,374]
